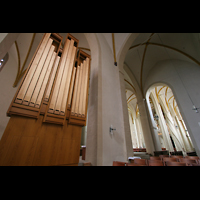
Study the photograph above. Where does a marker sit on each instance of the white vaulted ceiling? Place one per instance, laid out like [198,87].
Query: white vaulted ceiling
[161,46]
[151,48]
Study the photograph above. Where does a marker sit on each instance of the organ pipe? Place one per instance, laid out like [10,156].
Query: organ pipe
[71,88]
[41,78]
[75,91]
[52,77]
[33,67]
[59,77]
[80,90]
[85,88]
[68,78]
[40,95]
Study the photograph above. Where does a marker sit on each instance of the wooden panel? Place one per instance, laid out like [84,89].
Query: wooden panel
[77,121]
[11,151]
[47,150]
[24,112]
[22,150]
[4,146]
[66,156]
[50,118]
[46,145]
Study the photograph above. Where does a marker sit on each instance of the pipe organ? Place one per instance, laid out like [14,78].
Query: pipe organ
[50,106]
[55,83]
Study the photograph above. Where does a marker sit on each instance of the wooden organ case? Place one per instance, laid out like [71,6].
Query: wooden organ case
[50,106]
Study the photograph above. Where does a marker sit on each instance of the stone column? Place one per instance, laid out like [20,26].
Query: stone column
[174,133]
[127,132]
[145,127]
[163,126]
[153,128]
[136,133]
[106,107]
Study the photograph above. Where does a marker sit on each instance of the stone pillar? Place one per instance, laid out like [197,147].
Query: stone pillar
[145,127]
[163,126]
[106,107]
[183,134]
[174,133]
[126,124]
[153,128]
[173,115]
[136,133]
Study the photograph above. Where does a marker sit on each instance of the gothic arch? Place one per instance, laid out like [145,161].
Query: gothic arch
[124,49]
[183,78]
[168,107]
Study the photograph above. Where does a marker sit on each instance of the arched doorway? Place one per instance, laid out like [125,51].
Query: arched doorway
[167,120]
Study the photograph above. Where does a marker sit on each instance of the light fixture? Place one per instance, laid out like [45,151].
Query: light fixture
[112,129]
[194,108]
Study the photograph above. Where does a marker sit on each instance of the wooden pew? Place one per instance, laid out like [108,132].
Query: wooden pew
[119,163]
[155,163]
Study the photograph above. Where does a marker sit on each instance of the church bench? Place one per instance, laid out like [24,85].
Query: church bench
[134,164]
[155,158]
[119,163]
[168,163]
[140,161]
[155,163]
[169,159]
[157,153]
[186,160]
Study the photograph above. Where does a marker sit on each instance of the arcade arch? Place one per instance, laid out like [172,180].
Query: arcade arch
[170,59]
[167,120]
